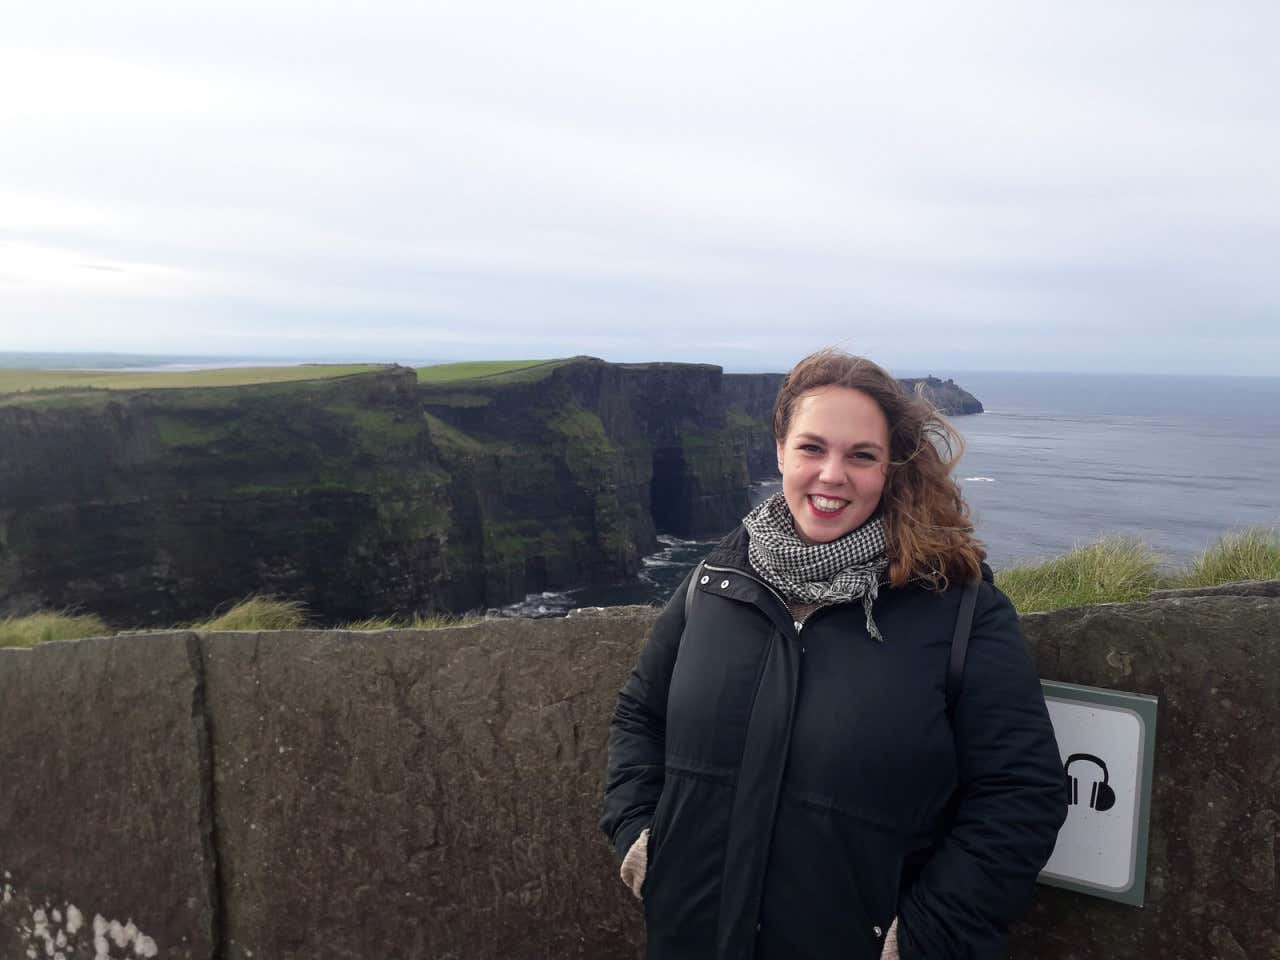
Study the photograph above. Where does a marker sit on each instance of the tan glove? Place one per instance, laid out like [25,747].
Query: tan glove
[636,860]
[890,951]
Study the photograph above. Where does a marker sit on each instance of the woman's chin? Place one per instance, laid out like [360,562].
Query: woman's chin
[813,534]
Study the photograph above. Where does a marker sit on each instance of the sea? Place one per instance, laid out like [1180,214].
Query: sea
[1056,461]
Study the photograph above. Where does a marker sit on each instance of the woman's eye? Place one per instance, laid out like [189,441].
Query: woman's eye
[810,448]
[865,455]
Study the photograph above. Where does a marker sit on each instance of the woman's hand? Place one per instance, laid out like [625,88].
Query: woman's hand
[634,863]
[890,951]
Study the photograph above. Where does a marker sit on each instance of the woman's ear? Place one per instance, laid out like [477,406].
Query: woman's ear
[780,448]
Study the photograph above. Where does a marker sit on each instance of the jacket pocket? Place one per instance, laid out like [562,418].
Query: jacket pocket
[832,884]
[682,880]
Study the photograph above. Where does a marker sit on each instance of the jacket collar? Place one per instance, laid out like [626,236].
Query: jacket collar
[731,551]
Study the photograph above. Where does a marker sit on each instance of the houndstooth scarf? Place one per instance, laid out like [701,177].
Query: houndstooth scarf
[824,573]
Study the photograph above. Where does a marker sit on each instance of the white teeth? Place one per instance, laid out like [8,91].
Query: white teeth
[826,503]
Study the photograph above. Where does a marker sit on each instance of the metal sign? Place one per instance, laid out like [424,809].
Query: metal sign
[1107,740]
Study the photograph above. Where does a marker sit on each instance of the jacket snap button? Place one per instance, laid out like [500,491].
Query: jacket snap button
[705,580]
[723,584]
[876,931]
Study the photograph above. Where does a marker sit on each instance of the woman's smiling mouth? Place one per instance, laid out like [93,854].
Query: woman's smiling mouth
[826,506]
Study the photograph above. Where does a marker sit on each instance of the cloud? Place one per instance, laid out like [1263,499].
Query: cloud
[1010,183]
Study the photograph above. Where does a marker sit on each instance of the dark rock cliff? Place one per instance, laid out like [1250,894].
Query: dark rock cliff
[368,495]
[157,506]
[565,474]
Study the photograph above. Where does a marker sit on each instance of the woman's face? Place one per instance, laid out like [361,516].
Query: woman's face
[833,462]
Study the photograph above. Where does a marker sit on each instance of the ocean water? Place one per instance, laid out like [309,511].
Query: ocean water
[1059,460]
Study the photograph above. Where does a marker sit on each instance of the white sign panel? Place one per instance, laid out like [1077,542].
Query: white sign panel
[1106,739]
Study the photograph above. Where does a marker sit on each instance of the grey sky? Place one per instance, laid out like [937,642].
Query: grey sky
[1017,185]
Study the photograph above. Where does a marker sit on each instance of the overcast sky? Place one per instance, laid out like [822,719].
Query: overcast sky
[980,185]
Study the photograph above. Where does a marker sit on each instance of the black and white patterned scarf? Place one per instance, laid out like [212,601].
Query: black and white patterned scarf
[823,573]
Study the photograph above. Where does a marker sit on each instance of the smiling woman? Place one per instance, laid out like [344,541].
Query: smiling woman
[833,461]
[789,776]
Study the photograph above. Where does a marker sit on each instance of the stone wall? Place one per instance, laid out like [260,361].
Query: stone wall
[434,794]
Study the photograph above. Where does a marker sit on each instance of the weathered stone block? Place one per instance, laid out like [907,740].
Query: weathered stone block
[417,794]
[104,815]
[1241,588]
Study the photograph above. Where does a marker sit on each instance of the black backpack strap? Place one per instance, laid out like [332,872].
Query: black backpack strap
[692,589]
[960,643]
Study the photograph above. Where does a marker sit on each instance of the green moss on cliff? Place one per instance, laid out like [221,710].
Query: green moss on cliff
[738,419]
[449,438]
[461,400]
[176,431]
[587,448]
[377,428]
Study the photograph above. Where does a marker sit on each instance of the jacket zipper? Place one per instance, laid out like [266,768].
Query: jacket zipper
[798,624]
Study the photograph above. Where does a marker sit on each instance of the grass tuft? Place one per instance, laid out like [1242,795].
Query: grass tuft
[420,621]
[42,627]
[1247,555]
[259,613]
[1112,570]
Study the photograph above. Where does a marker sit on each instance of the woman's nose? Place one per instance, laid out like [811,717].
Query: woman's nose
[831,471]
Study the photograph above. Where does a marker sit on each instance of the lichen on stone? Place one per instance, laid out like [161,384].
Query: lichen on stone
[57,931]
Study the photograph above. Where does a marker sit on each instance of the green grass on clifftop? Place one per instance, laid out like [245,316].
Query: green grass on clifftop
[1247,555]
[446,372]
[42,627]
[259,613]
[419,622]
[1118,569]
[1110,571]
[21,381]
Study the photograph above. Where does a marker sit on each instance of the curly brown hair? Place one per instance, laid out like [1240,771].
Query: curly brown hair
[930,535]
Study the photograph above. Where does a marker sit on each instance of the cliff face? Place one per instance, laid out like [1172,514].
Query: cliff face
[565,473]
[156,506]
[751,397]
[548,482]
[370,494]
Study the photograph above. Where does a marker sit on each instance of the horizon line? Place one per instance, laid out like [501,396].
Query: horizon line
[338,359]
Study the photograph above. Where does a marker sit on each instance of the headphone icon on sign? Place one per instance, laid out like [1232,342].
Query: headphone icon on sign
[1101,796]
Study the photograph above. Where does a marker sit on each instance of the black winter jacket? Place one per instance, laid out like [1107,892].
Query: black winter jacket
[805,786]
